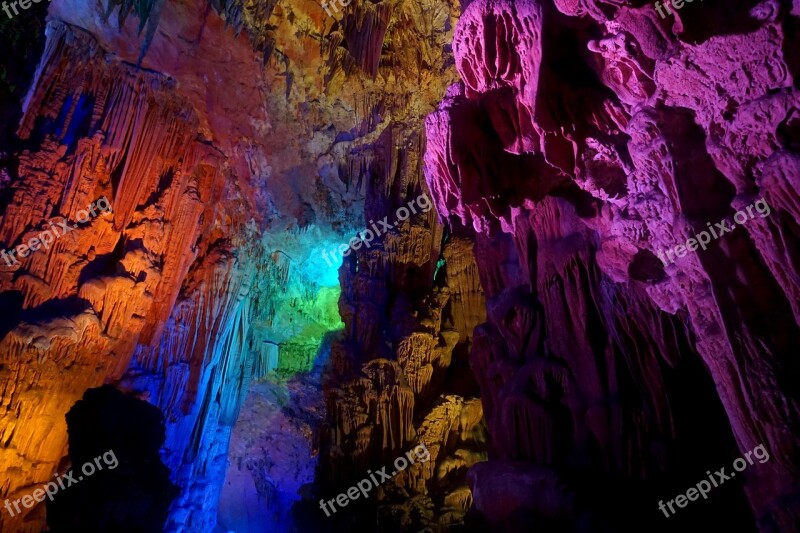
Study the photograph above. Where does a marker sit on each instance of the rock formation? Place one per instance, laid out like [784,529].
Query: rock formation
[584,140]
[548,314]
[230,168]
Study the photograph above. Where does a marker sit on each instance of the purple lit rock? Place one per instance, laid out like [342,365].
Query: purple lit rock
[628,134]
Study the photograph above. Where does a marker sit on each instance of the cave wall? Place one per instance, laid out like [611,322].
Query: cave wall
[151,296]
[410,300]
[235,143]
[160,296]
[401,375]
[583,140]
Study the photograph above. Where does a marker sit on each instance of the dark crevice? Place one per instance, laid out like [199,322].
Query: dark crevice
[127,488]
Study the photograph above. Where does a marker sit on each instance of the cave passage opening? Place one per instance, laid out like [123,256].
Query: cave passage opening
[274,444]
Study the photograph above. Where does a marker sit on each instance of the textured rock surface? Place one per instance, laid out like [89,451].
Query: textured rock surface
[98,301]
[232,162]
[160,296]
[583,139]
[409,301]
[625,135]
[273,453]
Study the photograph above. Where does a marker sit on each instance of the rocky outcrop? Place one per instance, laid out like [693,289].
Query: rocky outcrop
[626,135]
[410,301]
[95,303]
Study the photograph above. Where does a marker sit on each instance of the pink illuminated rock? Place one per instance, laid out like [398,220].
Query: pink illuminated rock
[651,131]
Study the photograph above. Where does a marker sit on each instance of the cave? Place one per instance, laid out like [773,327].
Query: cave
[399,266]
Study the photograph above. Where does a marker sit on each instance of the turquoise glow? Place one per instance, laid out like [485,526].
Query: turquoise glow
[296,299]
